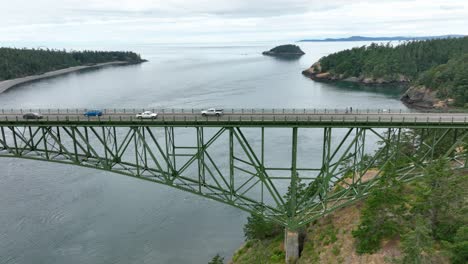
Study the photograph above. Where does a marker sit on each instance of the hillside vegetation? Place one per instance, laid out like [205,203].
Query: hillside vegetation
[16,63]
[422,221]
[440,65]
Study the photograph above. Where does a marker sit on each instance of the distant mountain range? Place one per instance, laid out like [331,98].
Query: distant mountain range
[398,38]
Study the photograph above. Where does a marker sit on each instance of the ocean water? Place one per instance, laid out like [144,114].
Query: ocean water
[52,213]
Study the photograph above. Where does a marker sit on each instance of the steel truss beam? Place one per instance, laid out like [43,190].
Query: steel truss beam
[349,168]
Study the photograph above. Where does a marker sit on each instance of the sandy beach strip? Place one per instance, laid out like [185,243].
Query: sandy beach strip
[5,85]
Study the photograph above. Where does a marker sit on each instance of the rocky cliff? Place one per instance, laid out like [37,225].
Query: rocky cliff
[315,73]
[423,97]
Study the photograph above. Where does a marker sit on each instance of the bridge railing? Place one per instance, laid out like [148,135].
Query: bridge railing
[244,115]
[238,111]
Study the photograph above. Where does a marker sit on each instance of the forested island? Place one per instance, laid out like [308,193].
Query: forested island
[16,63]
[436,70]
[288,50]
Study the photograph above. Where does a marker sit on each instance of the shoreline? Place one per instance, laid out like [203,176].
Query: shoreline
[8,84]
[414,97]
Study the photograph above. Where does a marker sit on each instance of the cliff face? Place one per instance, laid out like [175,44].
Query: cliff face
[416,96]
[423,97]
[315,73]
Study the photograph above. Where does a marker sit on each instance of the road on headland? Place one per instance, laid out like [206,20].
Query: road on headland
[289,117]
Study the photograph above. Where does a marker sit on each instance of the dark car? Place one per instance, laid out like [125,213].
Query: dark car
[93,113]
[32,116]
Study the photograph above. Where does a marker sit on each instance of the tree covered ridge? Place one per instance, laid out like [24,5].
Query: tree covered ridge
[386,61]
[288,48]
[438,64]
[16,63]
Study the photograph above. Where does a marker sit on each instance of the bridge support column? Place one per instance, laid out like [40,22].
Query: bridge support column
[291,245]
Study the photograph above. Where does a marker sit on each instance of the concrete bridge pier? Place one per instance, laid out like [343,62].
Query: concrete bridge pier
[291,245]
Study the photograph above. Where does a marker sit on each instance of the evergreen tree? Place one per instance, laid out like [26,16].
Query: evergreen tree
[382,215]
[418,244]
[217,260]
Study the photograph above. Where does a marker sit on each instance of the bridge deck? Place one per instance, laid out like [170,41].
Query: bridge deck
[240,117]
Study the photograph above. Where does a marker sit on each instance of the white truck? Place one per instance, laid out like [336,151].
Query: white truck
[212,112]
[146,115]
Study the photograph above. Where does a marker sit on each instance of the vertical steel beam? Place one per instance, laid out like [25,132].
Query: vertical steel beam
[170,148]
[88,151]
[359,153]
[231,161]
[293,182]
[15,141]
[44,136]
[59,140]
[135,142]
[31,138]
[116,149]
[325,170]
[200,158]
[142,136]
[104,142]
[173,146]
[75,148]
[4,138]
[262,184]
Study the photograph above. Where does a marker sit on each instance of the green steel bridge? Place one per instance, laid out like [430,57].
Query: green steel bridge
[226,158]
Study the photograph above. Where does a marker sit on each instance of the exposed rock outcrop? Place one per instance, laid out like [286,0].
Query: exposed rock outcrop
[315,73]
[423,97]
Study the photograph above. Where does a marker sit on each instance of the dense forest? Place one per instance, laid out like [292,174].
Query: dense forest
[15,63]
[439,64]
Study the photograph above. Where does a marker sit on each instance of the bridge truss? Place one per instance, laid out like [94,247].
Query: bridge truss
[229,164]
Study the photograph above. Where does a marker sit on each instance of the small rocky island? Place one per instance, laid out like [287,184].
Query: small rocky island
[285,51]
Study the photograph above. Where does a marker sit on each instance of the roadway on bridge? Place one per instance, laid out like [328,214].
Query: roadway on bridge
[300,116]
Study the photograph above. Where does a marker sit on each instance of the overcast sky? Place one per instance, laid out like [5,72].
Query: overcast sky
[181,21]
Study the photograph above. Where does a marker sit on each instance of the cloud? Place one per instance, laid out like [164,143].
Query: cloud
[166,21]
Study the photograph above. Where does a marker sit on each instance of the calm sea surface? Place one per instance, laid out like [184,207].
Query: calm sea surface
[51,213]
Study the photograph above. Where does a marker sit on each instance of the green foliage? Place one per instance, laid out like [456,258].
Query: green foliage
[459,247]
[441,198]
[387,61]
[440,64]
[277,256]
[289,48]
[431,210]
[261,251]
[336,250]
[450,79]
[15,63]
[382,214]
[217,260]
[417,244]
[257,227]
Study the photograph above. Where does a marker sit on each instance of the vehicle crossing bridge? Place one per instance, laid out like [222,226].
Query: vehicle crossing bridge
[225,158]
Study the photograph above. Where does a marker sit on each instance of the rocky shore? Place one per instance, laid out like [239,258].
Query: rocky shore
[422,97]
[315,73]
[8,84]
[419,97]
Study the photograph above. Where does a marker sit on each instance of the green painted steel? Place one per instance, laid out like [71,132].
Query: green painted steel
[226,161]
